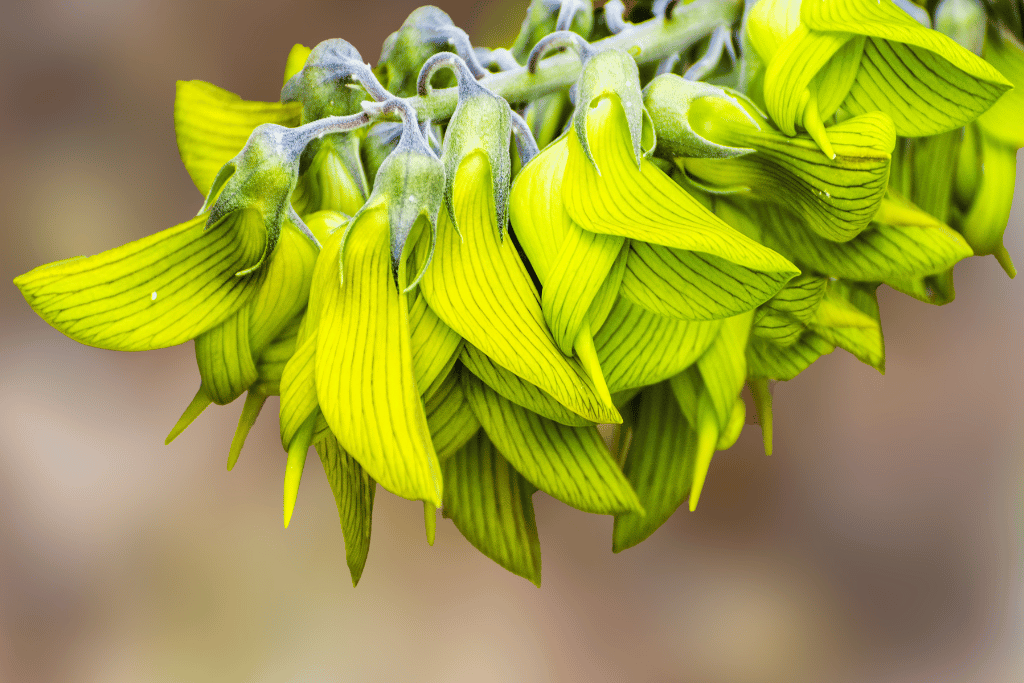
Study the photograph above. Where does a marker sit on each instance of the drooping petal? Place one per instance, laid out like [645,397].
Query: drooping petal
[659,465]
[354,491]
[516,389]
[478,286]
[156,292]
[921,78]
[490,503]
[676,239]
[364,370]
[572,464]
[638,348]
[225,360]
[212,125]
[452,422]
[765,359]
[723,367]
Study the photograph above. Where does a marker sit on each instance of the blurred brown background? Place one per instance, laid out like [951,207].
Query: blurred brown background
[881,543]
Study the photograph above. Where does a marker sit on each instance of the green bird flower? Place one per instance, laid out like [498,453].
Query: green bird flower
[862,56]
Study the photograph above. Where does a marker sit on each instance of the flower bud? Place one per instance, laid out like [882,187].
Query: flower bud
[613,74]
[425,32]
[670,99]
[260,178]
[410,185]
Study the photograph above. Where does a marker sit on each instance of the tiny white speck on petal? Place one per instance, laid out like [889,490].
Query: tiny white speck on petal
[152,297]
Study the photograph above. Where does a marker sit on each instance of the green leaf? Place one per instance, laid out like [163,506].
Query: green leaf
[490,503]
[477,284]
[637,348]
[518,390]
[452,422]
[658,464]
[765,359]
[212,125]
[364,369]
[354,491]
[153,293]
[571,464]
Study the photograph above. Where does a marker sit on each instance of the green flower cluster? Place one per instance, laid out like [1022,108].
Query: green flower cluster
[452,316]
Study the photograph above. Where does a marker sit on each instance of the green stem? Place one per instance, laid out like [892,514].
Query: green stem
[649,42]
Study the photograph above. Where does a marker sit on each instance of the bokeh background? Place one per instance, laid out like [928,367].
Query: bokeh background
[882,542]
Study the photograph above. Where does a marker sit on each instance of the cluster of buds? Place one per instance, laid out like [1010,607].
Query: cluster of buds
[699,200]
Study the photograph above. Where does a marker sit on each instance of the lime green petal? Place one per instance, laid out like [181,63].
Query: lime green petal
[920,77]
[922,92]
[535,207]
[723,367]
[734,427]
[225,361]
[936,289]
[883,20]
[658,465]
[212,126]
[765,359]
[364,370]
[881,253]
[271,363]
[156,292]
[693,286]
[435,346]
[608,294]
[353,493]
[1003,121]
[297,57]
[848,318]
[254,401]
[637,348]
[490,503]
[837,198]
[761,393]
[334,180]
[297,451]
[518,390]
[792,69]
[452,422]
[707,440]
[200,402]
[784,318]
[584,261]
[571,464]
[478,286]
[989,214]
[647,205]
[298,388]
[285,289]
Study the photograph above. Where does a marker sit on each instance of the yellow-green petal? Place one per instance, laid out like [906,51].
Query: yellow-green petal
[490,503]
[354,491]
[571,464]
[364,371]
[212,125]
[156,292]
[477,284]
